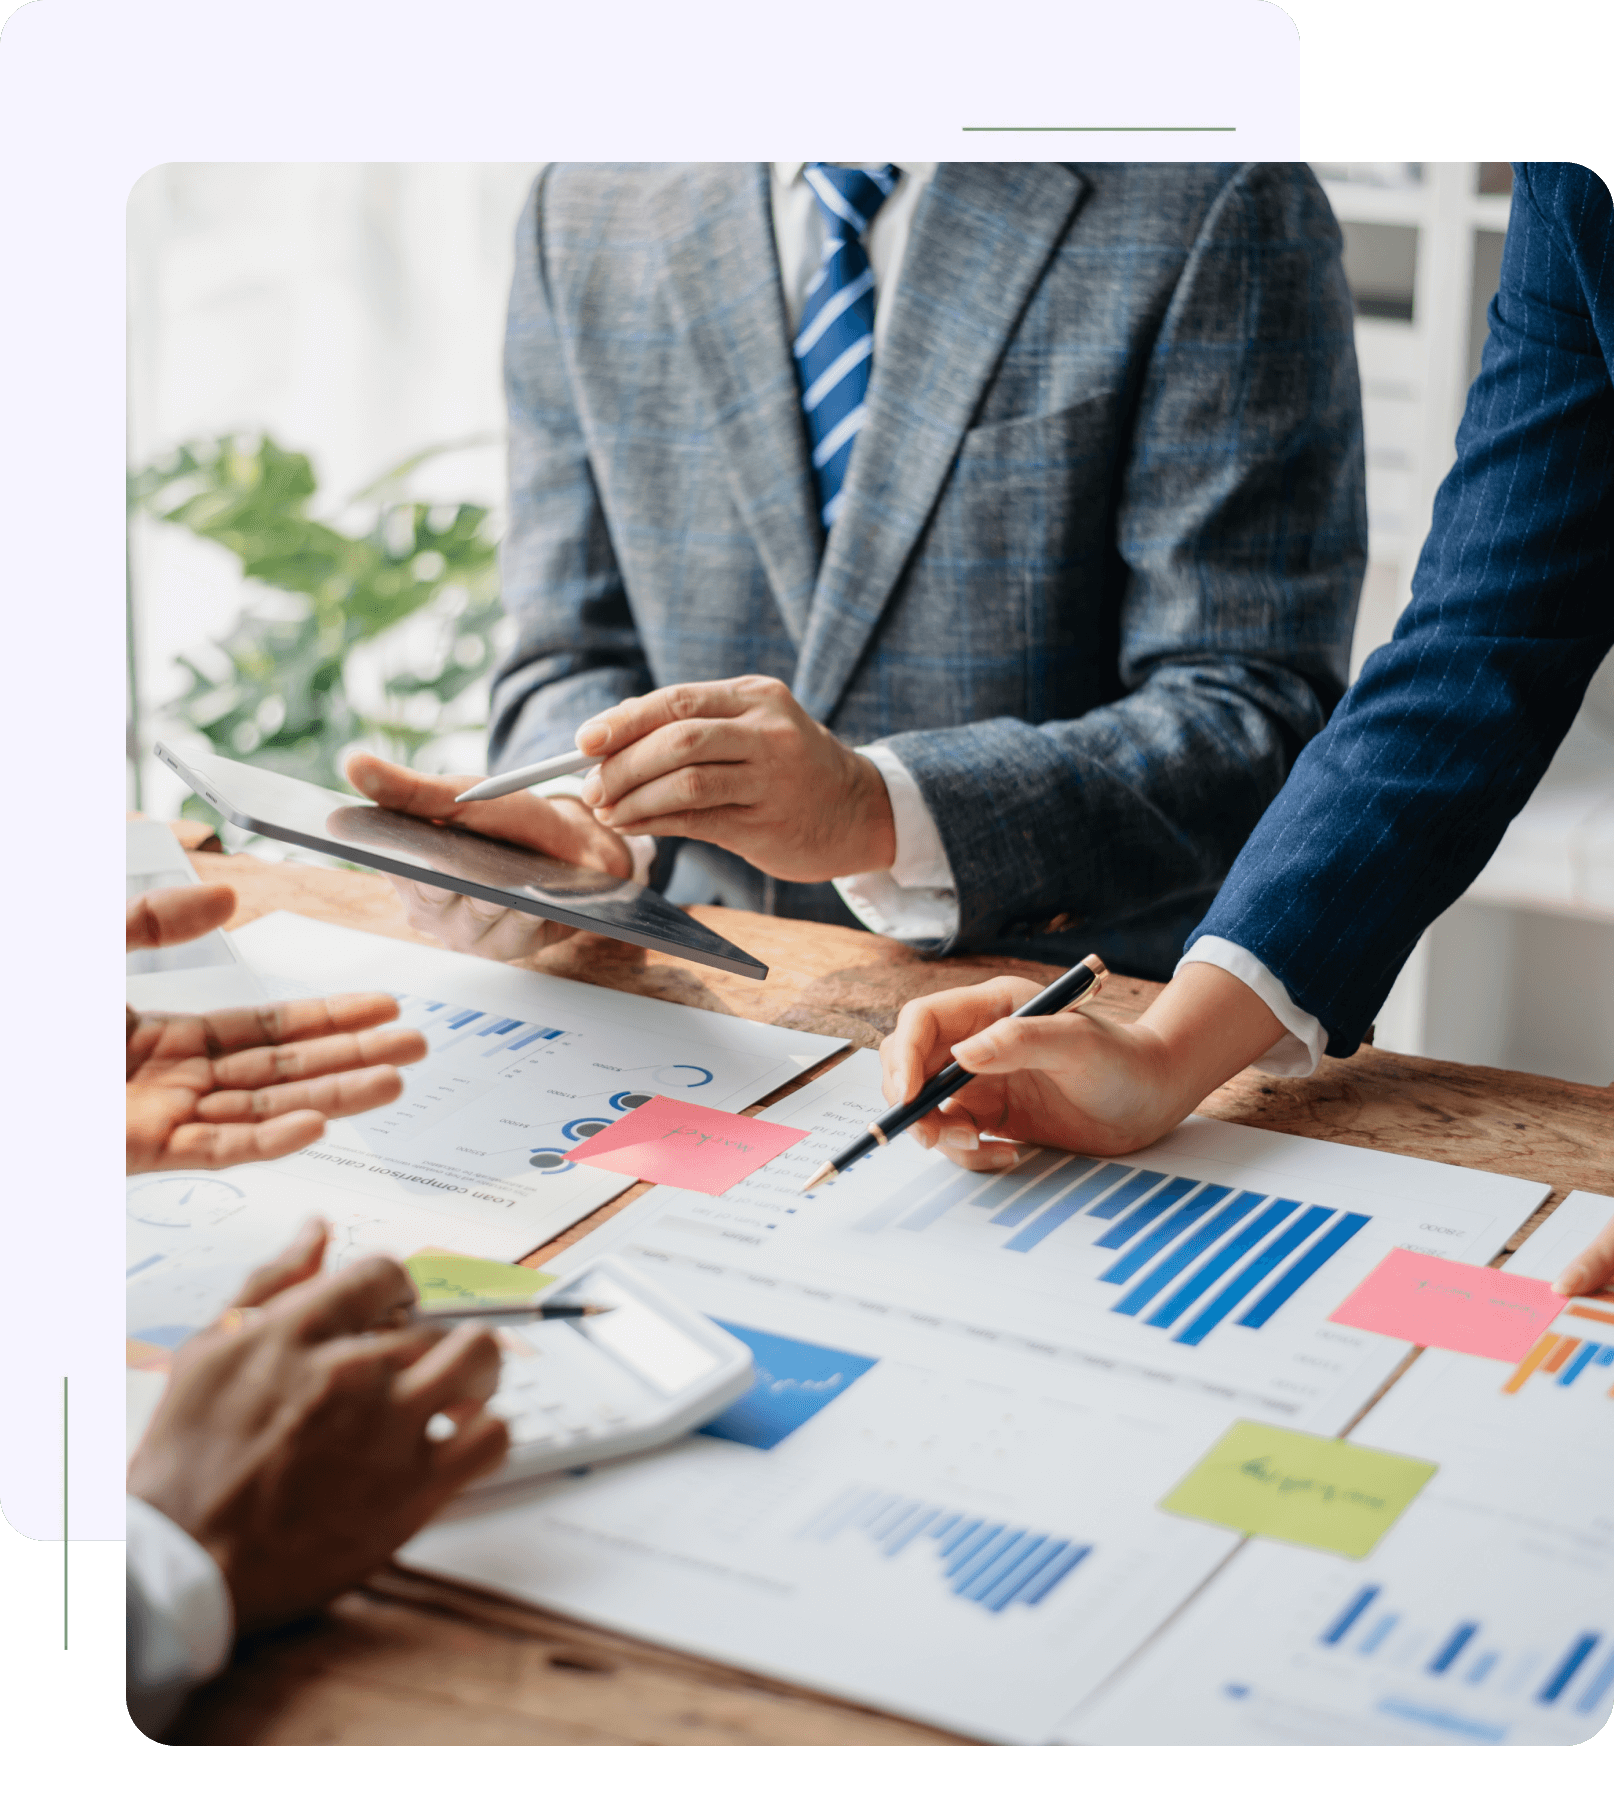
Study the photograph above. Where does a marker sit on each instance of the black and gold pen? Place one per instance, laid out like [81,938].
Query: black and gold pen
[1082,981]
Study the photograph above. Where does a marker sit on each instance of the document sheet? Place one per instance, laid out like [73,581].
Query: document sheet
[1486,1616]
[478,1154]
[941,1496]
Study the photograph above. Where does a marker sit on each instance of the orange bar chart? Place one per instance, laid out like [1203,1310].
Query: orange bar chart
[1544,1348]
[1565,1358]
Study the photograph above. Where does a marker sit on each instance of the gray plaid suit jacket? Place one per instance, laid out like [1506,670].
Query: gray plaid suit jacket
[1102,535]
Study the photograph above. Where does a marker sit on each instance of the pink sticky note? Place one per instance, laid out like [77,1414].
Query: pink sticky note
[687,1145]
[1451,1306]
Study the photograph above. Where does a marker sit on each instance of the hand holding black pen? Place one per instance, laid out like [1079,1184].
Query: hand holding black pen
[1082,981]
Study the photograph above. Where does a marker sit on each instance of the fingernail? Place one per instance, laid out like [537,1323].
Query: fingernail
[1001,1157]
[960,1137]
[593,736]
[592,791]
[974,1048]
[1570,1282]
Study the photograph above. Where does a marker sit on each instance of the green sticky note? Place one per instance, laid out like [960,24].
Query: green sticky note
[1320,1492]
[445,1279]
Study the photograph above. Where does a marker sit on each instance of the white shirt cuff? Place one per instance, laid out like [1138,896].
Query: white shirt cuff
[642,847]
[915,899]
[192,1619]
[1297,1052]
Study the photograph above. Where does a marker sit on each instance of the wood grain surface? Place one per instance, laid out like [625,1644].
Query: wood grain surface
[407,1660]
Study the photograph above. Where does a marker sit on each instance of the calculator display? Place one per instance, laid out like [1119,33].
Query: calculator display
[652,1347]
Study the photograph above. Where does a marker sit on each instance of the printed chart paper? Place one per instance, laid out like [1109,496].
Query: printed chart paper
[1321,1492]
[478,1155]
[1484,1617]
[679,1143]
[1451,1306]
[943,1500]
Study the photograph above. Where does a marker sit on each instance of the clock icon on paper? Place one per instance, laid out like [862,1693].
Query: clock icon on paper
[178,1201]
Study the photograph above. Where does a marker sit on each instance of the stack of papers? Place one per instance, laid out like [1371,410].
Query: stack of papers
[943,1497]
[1047,1455]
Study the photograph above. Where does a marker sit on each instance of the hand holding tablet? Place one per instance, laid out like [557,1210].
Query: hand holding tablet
[578,879]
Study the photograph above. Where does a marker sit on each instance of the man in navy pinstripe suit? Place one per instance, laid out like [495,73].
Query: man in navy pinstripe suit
[1086,590]
[1392,811]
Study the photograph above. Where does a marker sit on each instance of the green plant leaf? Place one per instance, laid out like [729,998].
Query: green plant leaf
[335,592]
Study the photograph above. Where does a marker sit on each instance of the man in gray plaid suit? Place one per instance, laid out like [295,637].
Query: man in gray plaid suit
[1090,577]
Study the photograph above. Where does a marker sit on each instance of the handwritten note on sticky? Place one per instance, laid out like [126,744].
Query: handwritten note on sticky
[1451,1306]
[444,1279]
[1320,1492]
[683,1145]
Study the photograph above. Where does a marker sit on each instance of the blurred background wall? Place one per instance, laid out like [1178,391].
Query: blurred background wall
[354,313]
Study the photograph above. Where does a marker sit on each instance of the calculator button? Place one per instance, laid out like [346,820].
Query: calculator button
[533,1431]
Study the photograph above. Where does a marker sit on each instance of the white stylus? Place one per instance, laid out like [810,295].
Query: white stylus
[563,765]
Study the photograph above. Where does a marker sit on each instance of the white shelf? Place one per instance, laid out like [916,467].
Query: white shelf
[1366,204]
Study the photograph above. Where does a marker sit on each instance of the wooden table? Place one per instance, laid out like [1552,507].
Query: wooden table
[405,1660]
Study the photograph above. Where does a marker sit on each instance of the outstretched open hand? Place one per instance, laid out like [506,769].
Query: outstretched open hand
[207,1091]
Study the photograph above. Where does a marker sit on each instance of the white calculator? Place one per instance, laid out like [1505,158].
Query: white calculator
[576,1391]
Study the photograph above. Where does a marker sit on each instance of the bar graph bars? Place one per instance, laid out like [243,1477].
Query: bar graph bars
[1565,1358]
[1190,1256]
[497,1031]
[1578,1678]
[990,1563]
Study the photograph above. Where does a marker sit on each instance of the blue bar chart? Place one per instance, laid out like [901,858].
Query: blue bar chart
[1190,1257]
[1485,1678]
[423,1014]
[990,1563]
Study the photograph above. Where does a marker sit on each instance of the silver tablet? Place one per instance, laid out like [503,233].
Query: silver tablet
[288,809]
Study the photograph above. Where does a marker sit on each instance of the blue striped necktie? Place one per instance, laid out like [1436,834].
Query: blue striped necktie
[835,342]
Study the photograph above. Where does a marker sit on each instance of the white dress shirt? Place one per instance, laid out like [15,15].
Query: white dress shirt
[915,899]
[181,1624]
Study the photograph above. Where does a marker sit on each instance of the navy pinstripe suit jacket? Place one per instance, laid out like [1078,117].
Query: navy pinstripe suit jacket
[1390,813]
[1102,535]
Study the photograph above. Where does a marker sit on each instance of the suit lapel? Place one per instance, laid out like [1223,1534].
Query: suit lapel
[723,279]
[981,238]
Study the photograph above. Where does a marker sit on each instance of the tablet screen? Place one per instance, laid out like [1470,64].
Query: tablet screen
[289,809]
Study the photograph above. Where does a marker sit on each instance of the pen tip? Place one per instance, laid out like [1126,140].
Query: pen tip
[823,1174]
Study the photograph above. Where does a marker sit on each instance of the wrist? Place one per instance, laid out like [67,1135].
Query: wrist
[1207,1025]
[873,849]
